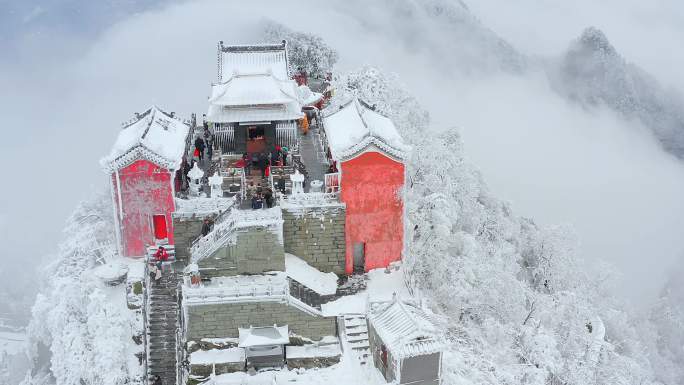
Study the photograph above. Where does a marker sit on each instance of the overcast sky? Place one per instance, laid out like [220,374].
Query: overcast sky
[74,70]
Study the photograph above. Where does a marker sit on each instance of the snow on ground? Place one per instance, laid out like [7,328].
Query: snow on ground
[110,271]
[322,283]
[136,269]
[380,286]
[348,371]
[204,357]
[311,350]
[116,296]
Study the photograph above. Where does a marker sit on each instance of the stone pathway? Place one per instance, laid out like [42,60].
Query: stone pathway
[312,155]
[162,323]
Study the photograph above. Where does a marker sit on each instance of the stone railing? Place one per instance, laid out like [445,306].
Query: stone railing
[226,226]
[238,289]
[321,199]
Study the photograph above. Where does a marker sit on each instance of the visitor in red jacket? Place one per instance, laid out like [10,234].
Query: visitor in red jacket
[161,254]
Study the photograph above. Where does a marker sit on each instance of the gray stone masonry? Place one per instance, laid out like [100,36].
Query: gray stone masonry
[223,320]
[316,234]
[257,249]
[312,362]
[186,230]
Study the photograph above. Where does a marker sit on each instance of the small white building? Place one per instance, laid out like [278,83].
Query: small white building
[264,346]
[404,342]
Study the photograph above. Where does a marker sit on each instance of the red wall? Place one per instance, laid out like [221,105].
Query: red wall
[146,191]
[371,188]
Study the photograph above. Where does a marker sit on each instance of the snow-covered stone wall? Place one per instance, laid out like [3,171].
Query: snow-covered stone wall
[316,234]
[257,249]
[223,320]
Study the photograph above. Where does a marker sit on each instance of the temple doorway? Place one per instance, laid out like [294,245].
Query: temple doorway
[256,139]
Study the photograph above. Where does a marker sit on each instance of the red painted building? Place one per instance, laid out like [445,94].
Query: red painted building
[142,167]
[369,154]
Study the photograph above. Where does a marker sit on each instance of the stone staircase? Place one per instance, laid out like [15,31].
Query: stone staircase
[162,323]
[356,336]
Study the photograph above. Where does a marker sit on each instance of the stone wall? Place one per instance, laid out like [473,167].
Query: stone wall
[186,230]
[256,249]
[223,320]
[316,234]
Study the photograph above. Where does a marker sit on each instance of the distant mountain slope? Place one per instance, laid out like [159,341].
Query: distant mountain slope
[592,72]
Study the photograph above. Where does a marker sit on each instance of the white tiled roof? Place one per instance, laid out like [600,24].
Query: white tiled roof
[254,89]
[352,127]
[155,135]
[263,58]
[253,114]
[254,86]
[404,328]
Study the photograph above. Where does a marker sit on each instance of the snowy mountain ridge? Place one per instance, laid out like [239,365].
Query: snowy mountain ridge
[594,73]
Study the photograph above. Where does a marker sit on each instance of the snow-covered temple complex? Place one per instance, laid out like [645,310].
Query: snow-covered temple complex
[263,217]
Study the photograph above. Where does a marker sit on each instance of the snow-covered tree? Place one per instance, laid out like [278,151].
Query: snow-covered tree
[305,51]
[86,331]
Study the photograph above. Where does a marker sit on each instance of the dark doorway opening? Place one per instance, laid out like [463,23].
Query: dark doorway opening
[256,139]
[359,257]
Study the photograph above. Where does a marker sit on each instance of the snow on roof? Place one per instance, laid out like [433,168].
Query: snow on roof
[316,280]
[257,58]
[253,89]
[217,356]
[307,96]
[254,97]
[221,114]
[254,86]
[404,328]
[263,336]
[354,127]
[155,135]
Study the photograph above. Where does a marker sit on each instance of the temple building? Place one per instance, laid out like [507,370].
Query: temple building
[369,154]
[142,165]
[255,104]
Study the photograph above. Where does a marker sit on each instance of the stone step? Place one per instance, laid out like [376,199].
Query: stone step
[162,359]
[358,338]
[354,330]
[359,345]
[351,322]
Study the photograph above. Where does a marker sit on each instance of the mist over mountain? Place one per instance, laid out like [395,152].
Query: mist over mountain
[592,72]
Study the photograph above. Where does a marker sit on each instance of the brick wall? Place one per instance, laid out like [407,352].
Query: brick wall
[257,249]
[316,234]
[223,320]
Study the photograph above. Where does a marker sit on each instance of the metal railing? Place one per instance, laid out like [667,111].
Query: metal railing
[224,137]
